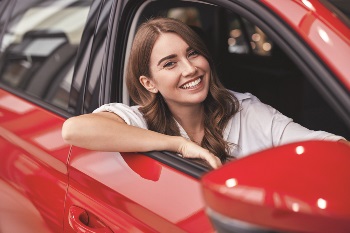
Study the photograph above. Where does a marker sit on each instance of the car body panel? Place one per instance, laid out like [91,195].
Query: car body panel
[33,165]
[131,192]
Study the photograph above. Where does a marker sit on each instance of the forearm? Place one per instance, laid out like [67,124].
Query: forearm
[94,132]
[133,139]
[108,132]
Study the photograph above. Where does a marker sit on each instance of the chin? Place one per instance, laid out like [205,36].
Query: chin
[200,97]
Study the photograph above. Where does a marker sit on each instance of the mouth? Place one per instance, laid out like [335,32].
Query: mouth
[192,84]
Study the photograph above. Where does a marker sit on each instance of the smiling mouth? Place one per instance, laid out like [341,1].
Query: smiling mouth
[192,84]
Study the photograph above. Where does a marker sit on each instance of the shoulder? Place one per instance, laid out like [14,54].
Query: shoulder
[249,102]
[241,96]
[245,98]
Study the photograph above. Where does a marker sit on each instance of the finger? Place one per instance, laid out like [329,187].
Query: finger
[213,161]
[217,162]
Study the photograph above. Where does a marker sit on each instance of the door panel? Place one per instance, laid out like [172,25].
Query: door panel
[131,193]
[33,172]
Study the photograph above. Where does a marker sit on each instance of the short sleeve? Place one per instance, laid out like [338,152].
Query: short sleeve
[130,114]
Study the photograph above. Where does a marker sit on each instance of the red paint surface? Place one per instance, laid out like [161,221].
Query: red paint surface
[33,168]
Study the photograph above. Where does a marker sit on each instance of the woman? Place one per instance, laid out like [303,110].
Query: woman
[182,106]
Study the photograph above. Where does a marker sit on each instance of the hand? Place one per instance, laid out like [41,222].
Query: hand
[189,149]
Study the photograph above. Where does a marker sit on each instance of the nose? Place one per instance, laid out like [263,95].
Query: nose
[188,69]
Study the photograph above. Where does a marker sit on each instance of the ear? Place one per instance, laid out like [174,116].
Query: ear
[148,84]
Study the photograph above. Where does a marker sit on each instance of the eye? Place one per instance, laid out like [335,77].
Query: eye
[193,53]
[169,65]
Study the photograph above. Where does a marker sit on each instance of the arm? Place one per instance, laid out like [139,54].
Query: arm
[106,131]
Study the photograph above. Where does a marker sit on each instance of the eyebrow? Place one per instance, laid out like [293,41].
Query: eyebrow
[166,58]
[171,56]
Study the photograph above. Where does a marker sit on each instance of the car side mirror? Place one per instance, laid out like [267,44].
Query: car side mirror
[299,187]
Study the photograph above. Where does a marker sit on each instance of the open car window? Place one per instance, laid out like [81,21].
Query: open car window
[249,60]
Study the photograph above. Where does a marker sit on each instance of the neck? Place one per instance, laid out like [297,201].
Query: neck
[191,118]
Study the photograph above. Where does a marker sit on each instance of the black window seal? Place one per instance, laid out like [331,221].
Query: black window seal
[175,161]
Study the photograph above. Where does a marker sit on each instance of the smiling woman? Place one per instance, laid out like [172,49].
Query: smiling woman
[182,106]
[177,60]
[166,59]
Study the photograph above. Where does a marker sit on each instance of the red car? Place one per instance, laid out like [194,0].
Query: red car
[60,58]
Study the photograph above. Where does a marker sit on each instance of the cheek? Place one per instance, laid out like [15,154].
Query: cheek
[202,62]
[167,77]
[207,65]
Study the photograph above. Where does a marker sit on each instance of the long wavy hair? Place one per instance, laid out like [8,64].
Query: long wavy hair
[219,106]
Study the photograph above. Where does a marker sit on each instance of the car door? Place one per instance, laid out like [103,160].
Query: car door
[39,42]
[130,192]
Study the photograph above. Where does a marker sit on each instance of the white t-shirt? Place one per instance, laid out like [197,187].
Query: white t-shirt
[256,126]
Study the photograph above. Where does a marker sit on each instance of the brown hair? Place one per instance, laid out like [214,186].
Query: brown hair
[219,106]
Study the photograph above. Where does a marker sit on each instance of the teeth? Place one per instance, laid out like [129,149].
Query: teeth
[191,84]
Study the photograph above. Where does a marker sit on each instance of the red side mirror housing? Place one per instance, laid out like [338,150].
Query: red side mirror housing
[299,187]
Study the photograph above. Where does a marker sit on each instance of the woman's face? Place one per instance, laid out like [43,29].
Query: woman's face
[178,72]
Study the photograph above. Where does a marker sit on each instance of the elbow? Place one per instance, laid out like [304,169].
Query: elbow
[68,131]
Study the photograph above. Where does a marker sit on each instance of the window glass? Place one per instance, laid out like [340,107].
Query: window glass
[38,49]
